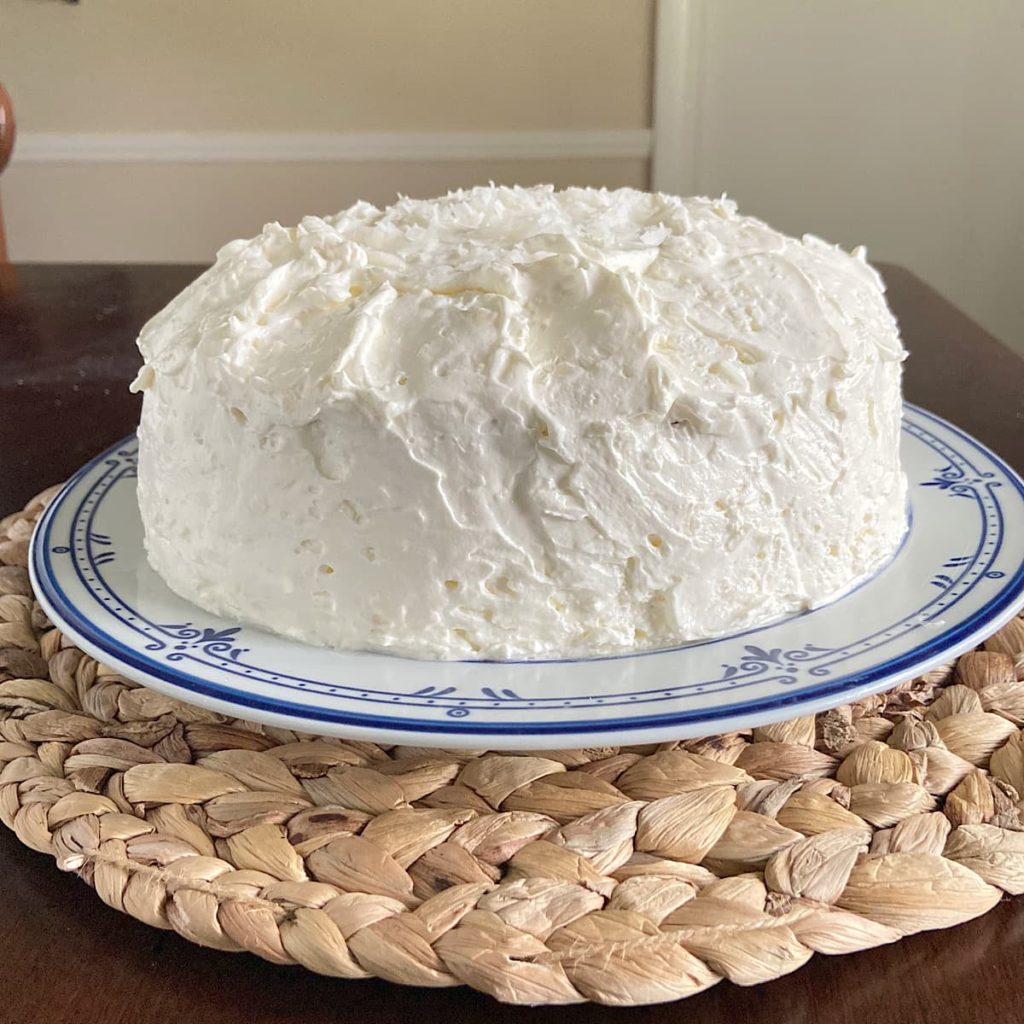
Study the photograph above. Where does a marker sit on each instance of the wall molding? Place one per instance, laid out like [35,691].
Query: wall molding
[678,73]
[238,147]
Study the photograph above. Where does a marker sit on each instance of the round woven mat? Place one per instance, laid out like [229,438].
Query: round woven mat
[621,875]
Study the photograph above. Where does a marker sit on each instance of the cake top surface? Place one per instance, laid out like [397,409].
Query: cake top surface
[682,293]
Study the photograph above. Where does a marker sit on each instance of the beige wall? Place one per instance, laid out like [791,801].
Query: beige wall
[896,123]
[311,66]
[326,65]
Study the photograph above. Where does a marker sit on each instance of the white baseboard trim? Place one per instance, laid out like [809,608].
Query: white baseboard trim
[236,147]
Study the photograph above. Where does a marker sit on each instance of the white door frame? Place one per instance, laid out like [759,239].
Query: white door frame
[676,89]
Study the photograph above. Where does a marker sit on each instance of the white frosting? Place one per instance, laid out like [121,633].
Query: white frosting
[520,422]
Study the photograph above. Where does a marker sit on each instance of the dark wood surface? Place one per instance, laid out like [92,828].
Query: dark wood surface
[66,355]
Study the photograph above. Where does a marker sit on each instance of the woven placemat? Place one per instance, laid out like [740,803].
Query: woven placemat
[622,875]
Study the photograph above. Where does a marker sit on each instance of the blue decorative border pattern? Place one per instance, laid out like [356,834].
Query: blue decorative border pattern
[187,654]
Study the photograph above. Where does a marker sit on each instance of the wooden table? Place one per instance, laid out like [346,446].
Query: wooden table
[66,356]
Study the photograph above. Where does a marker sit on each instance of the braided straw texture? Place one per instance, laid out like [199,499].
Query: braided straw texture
[621,875]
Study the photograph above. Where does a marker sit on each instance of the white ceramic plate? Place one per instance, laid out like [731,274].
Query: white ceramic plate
[958,576]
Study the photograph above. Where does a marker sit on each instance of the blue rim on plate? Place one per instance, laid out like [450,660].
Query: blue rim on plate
[90,574]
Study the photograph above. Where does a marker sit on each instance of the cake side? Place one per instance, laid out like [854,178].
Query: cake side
[521,423]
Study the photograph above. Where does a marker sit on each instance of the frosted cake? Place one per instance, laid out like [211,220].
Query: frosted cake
[521,423]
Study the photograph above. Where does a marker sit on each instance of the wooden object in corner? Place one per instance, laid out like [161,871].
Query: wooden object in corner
[7,133]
